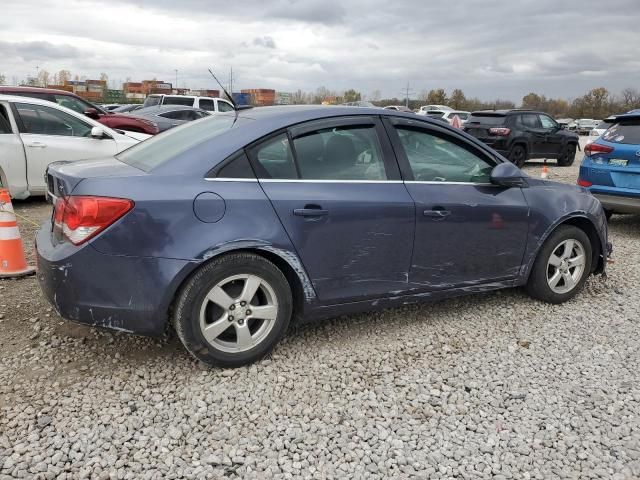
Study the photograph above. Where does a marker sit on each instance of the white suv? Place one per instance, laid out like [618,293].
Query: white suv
[209,104]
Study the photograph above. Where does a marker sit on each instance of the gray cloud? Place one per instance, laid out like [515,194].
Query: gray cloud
[266,42]
[38,50]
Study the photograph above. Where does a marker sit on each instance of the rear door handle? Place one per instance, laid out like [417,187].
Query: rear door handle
[37,145]
[310,212]
[437,213]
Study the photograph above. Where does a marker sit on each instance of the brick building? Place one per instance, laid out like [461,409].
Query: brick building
[261,97]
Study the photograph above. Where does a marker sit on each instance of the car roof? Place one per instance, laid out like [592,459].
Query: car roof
[627,116]
[504,111]
[167,108]
[23,99]
[10,88]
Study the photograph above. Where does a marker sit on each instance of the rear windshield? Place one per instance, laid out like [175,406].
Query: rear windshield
[157,150]
[603,125]
[178,101]
[624,132]
[486,119]
[151,101]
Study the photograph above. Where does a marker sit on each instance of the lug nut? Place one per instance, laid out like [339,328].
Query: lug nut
[231,318]
[243,303]
[232,307]
[240,322]
[248,312]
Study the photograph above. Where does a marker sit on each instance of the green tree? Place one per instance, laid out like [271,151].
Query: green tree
[533,101]
[457,99]
[437,97]
[351,96]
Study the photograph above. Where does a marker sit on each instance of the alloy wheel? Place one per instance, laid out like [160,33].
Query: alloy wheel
[238,313]
[566,266]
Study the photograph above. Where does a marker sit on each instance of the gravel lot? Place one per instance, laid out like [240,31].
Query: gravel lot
[488,386]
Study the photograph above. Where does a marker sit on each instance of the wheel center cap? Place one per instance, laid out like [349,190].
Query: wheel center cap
[238,313]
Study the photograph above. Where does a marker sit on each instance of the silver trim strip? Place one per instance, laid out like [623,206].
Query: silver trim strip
[450,183]
[273,180]
[231,179]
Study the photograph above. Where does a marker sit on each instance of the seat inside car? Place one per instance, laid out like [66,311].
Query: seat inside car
[340,157]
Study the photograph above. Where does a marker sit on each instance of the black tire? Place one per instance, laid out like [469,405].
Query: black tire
[567,156]
[538,286]
[186,315]
[608,214]
[518,155]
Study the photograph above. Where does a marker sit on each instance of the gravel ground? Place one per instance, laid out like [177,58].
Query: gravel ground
[488,386]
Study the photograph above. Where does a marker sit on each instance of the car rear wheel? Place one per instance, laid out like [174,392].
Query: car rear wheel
[518,155]
[562,266]
[233,310]
[608,214]
[567,156]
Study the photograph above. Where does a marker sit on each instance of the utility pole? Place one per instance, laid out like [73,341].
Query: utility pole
[231,80]
[406,93]
[176,70]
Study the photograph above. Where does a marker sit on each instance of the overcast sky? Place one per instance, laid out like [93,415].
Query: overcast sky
[489,48]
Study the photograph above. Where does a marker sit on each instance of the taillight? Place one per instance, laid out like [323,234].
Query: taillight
[594,148]
[584,183]
[500,131]
[82,217]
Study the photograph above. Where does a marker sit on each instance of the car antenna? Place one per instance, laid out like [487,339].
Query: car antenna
[235,107]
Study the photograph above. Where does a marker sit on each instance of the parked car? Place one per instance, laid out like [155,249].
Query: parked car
[169,116]
[109,107]
[359,103]
[34,133]
[585,125]
[449,114]
[600,128]
[231,228]
[210,104]
[80,105]
[127,108]
[521,135]
[426,108]
[611,166]
[399,108]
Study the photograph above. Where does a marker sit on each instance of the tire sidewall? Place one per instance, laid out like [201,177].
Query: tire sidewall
[537,284]
[518,163]
[187,312]
[567,158]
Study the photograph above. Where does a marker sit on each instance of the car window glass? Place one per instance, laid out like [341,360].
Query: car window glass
[343,153]
[547,122]
[627,132]
[531,121]
[274,159]
[178,101]
[224,107]
[237,167]
[207,104]
[43,120]
[5,126]
[437,159]
[175,115]
[72,103]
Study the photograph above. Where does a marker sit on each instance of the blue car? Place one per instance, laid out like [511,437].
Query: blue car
[233,226]
[611,166]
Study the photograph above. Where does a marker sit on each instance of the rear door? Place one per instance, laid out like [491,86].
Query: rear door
[468,231]
[336,188]
[50,135]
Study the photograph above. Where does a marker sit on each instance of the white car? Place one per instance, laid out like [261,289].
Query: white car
[426,108]
[210,104]
[602,127]
[35,133]
[449,114]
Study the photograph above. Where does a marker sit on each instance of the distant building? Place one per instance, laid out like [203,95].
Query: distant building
[203,93]
[284,98]
[261,97]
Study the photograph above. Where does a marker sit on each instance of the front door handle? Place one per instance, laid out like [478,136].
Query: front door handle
[37,145]
[311,211]
[437,213]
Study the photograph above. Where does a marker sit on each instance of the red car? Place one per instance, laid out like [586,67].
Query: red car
[74,102]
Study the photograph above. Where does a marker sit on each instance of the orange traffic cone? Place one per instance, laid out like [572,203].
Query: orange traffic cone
[545,172]
[12,260]
[455,122]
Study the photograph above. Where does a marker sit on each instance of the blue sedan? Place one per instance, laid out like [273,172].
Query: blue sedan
[232,227]
[611,165]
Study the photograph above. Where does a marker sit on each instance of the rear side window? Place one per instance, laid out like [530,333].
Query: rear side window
[530,121]
[206,104]
[274,159]
[224,106]
[492,120]
[178,101]
[152,101]
[237,167]
[344,153]
[627,132]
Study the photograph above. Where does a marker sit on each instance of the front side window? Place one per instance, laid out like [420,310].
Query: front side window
[224,106]
[207,104]
[547,122]
[274,159]
[434,158]
[42,120]
[72,103]
[342,153]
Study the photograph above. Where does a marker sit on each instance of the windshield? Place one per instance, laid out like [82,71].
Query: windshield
[486,119]
[152,101]
[627,132]
[157,150]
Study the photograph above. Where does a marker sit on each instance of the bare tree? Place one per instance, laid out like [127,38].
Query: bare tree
[3,79]
[43,78]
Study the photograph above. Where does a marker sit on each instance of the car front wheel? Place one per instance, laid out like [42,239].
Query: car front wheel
[518,156]
[562,266]
[567,156]
[233,310]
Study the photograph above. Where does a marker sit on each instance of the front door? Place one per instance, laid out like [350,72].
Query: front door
[537,135]
[50,135]
[337,191]
[468,231]
[553,139]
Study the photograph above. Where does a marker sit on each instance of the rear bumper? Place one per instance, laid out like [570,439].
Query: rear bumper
[618,203]
[130,294]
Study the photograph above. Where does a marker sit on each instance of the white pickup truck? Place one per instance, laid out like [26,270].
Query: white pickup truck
[35,133]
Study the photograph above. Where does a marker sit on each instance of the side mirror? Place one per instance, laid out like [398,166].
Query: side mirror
[97,132]
[92,113]
[508,175]
[562,126]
